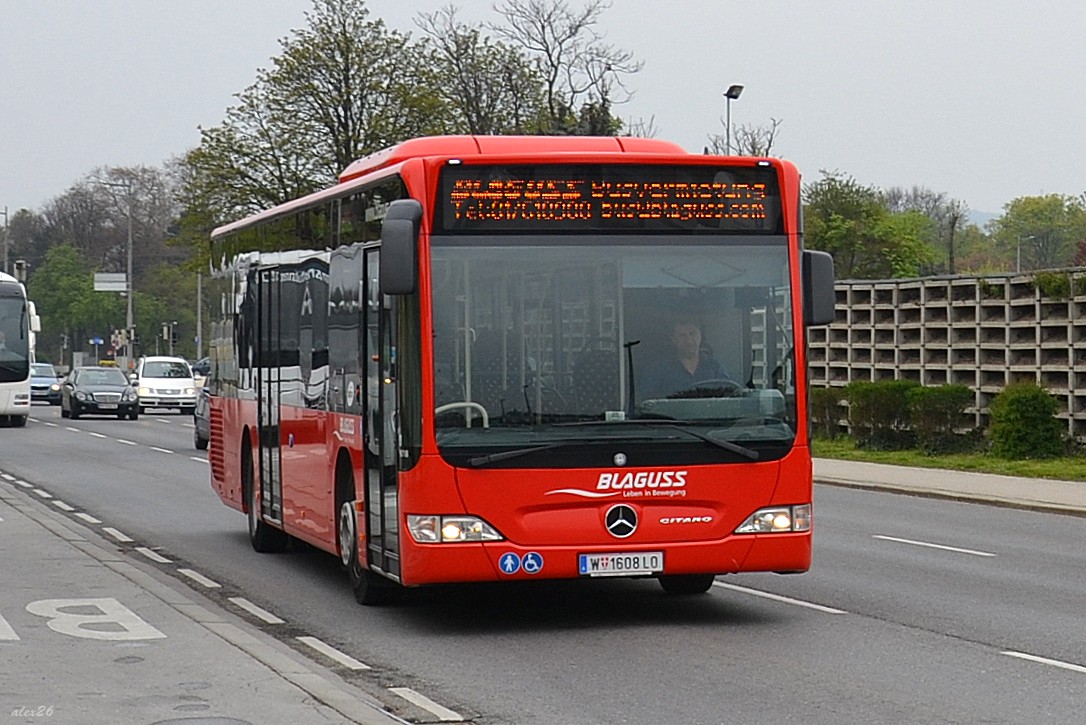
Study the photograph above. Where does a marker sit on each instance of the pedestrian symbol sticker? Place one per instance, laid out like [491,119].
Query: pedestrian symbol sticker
[532,563]
[510,563]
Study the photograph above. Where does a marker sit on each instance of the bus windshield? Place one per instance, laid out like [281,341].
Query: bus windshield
[14,339]
[683,341]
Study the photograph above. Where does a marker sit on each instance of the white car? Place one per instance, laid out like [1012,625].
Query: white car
[165,382]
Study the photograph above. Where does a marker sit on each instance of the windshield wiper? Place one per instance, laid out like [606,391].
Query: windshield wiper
[679,425]
[477,461]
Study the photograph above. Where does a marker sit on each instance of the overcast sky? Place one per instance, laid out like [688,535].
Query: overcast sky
[981,99]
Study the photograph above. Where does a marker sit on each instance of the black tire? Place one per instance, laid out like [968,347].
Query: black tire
[200,443]
[54,402]
[121,416]
[264,537]
[134,415]
[18,421]
[370,589]
[74,412]
[687,584]
[143,409]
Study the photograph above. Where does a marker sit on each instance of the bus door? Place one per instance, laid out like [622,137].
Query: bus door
[268,389]
[382,446]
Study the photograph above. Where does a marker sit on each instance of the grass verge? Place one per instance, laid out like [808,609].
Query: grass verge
[1067,469]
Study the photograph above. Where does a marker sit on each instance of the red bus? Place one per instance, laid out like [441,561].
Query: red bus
[484,359]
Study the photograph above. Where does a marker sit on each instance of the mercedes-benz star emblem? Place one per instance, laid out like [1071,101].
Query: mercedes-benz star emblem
[621,521]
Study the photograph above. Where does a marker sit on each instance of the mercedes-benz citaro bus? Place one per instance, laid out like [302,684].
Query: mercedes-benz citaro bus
[480,359]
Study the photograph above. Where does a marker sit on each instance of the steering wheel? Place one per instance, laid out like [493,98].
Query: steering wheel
[729,386]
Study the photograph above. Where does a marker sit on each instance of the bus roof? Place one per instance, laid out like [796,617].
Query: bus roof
[496,145]
[457,146]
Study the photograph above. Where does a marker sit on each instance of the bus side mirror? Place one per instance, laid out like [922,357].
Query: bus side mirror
[35,319]
[399,247]
[819,297]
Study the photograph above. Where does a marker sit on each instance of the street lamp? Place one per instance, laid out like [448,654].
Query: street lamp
[129,332]
[5,212]
[1018,254]
[731,94]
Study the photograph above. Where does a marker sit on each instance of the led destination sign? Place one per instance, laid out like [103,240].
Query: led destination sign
[482,199]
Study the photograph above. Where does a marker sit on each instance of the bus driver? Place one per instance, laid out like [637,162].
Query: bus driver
[688,364]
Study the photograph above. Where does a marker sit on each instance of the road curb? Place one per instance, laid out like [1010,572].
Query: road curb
[947,495]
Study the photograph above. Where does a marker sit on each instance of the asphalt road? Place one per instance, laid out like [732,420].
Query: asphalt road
[916,610]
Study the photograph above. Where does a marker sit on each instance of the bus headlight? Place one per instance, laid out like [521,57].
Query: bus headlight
[777,519]
[450,529]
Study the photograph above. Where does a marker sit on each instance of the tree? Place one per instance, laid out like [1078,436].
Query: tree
[63,290]
[343,87]
[1044,230]
[948,216]
[749,139]
[867,241]
[840,216]
[581,74]
[489,86]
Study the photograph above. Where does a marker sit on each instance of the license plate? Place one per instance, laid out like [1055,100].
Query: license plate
[107,406]
[627,563]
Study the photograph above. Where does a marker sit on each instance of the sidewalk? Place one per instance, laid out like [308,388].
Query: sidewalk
[1037,494]
[92,637]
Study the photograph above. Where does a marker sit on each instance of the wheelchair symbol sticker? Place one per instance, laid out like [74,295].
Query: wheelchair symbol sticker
[532,563]
[510,563]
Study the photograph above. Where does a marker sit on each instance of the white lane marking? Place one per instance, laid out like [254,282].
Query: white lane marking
[329,651]
[160,450]
[88,518]
[200,578]
[929,545]
[62,506]
[43,494]
[198,459]
[153,555]
[117,535]
[99,435]
[779,598]
[443,713]
[24,484]
[256,611]
[7,476]
[127,443]
[1046,661]
[52,425]
[73,430]
[6,632]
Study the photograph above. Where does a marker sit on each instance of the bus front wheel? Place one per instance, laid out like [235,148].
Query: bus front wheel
[369,589]
[687,584]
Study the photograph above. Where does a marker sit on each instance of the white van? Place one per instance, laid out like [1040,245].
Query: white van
[165,382]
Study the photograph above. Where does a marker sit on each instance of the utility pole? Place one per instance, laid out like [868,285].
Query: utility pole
[130,332]
[5,240]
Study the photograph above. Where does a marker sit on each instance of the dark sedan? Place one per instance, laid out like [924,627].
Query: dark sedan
[98,391]
[201,420]
[44,384]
